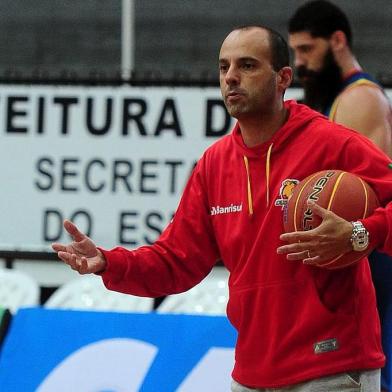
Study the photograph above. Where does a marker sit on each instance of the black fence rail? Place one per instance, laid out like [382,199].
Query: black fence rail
[102,78]
[177,78]
[10,256]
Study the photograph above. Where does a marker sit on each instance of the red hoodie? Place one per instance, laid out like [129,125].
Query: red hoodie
[295,322]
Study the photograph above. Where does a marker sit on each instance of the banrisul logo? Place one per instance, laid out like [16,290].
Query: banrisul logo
[218,210]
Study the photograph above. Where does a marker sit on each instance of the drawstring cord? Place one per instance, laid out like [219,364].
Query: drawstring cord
[267,177]
[267,172]
[250,202]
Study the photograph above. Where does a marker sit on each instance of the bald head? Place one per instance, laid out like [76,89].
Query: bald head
[272,44]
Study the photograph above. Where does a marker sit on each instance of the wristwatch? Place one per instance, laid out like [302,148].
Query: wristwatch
[359,237]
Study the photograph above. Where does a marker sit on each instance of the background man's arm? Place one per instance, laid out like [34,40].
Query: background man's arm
[366,109]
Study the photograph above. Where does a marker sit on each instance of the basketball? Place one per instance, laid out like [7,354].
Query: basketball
[345,194]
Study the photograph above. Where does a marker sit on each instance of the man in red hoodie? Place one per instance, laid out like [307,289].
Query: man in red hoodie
[300,327]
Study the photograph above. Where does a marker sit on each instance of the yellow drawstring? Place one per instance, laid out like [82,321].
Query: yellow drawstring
[267,172]
[267,176]
[250,202]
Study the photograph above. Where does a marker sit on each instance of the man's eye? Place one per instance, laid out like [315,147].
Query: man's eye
[223,68]
[248,65]
[306,49]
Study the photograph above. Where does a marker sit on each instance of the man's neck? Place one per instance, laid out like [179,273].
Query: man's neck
[259,130]
[348,63]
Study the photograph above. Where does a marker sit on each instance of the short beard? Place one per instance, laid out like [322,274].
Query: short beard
[236,110]
[321,87]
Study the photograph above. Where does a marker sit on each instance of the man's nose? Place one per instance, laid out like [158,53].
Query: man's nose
[232,76]
[299,61]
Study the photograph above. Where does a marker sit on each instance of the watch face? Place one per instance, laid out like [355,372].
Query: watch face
[359,237]
[362,240]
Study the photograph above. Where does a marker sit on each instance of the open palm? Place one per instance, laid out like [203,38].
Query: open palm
[81,254]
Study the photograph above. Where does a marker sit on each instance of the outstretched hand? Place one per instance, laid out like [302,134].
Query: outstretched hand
[81,254]
[317,246]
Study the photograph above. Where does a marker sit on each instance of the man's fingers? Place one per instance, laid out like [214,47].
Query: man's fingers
[73,231]
[306,257]
[83,266]
[65,256]
[79,264]
[69,259]
[315,260]
[297,256]
[298,237]
[59,247]
[320,211]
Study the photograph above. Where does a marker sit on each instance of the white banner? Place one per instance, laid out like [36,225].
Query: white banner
[112,159]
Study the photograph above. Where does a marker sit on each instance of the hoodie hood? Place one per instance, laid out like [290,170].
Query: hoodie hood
[299,116]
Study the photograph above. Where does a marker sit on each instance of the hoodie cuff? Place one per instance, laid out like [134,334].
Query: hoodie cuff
[115,266]
[377,227]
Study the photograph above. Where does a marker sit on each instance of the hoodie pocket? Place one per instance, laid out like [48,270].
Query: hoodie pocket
[287,318]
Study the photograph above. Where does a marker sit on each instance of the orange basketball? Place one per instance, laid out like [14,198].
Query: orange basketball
[345,194]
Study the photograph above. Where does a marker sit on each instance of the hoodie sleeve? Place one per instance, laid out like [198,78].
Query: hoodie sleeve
[362,157]
[182,256]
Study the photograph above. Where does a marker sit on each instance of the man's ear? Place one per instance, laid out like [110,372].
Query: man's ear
[338,40]
[285,77]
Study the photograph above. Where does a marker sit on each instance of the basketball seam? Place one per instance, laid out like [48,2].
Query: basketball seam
[298,198]
[366,199]
[334,190]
